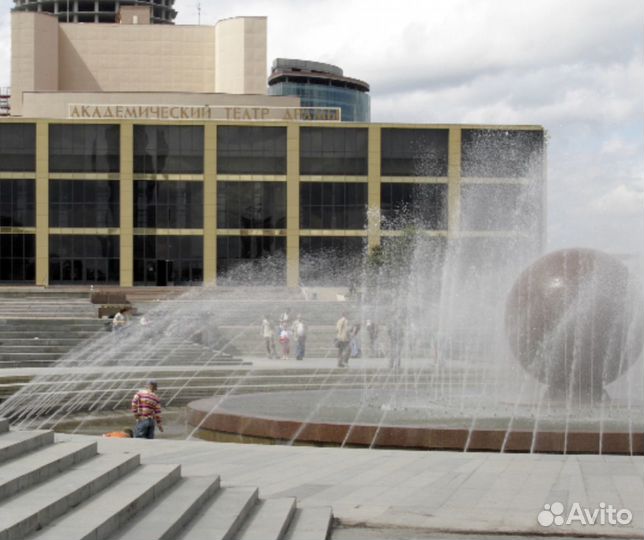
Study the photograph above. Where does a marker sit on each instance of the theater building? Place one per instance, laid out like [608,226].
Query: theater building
[150,154]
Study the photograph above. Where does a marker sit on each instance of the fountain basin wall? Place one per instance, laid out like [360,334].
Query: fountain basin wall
[261,418]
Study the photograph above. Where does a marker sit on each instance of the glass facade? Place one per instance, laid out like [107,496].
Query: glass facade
[83,203]
[17,203]
[414,152]
[17,258]
[499,207]
[419,205]
[168,149]
[251,150]
[251,260]
[333,151]
[333,205]
[17,147]
[355,105]
[495,153]
[77,259]
[251,205]
[317,191]
[84,148]
[331,260]
[168,260]
[168,204]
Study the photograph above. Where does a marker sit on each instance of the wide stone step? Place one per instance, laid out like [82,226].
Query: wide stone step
[109,511]
[17,443]
[173,511]
[67,342]
[26,349]
[222,518]
[35,508]
[310,524]
[28,357]
[42,464]
[268,520]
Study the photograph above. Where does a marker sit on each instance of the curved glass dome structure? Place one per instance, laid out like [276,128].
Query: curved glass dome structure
[321,85]
[97,11]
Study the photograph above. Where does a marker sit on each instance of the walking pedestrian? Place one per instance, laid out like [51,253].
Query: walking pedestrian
[146,408]
[354,341]
[342,340]
[267,334]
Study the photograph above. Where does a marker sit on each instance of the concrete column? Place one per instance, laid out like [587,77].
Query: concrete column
[293,205]
[127,205]
[373,189]
[454,182]
[42,203]
[210,205]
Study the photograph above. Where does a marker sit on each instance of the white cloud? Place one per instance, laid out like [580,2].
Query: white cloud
[620,201]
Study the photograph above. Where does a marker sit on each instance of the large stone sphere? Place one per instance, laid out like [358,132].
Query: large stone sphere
[574,319]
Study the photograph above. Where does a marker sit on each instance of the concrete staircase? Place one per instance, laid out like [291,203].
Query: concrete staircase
[68,490]
[40,342]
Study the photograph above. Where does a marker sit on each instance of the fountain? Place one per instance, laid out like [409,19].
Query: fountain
[491,347]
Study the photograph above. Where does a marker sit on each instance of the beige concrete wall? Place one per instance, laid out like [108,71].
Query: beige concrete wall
[34,59]
[136,58]
[47,57]
[240,55]
[55,104]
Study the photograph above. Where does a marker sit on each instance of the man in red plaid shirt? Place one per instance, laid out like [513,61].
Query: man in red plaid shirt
[146,408]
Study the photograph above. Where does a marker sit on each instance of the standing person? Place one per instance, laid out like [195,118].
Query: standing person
[354,341]
[284,340]
[267,334]
[299,331]
[285,317]
[372,332]
[146,408]
[342,340]
[395,331]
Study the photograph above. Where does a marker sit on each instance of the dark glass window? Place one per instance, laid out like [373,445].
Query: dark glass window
[168,204]
[18,147]
[83,203]
[419,205]
[331,260]
[501,153]
[168,149]
[84,148]
[168,260]
[251,205]
[17,203]
[414,152]
[333,205]
[333,151]
[494,207]
[83,259]
[251,150]
[18,258]
[251,260]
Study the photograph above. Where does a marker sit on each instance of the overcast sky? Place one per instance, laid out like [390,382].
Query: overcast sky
[574,66]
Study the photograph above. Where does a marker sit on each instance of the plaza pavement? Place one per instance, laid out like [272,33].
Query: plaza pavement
[427,491]
[431,491]
[423,491]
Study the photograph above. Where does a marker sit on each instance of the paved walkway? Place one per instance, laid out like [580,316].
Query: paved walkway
[442,492]
[427,491]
